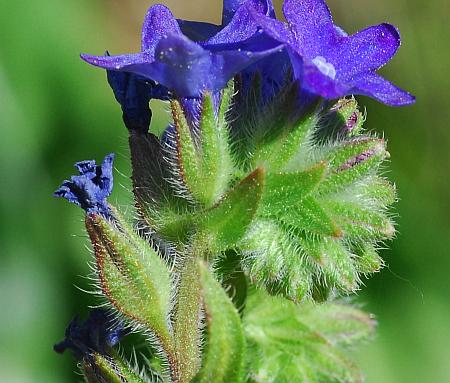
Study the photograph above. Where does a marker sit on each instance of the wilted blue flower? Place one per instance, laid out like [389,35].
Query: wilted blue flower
[90,189]
[134,93]
[96,334]
[185,67]
[330,63]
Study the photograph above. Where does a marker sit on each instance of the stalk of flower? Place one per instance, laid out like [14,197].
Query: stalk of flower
[262,198]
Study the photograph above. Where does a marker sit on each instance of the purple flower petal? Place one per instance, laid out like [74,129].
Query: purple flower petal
[118,62]
[230,7]
[372,85]
[312,25]
[274,28]
[317,82]
[242,26]
[182,65]
[87,168]
[158,23]
[367,50]
[330,63]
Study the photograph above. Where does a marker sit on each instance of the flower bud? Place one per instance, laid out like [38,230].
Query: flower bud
[132,275]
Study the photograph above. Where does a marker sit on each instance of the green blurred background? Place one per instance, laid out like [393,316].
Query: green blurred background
[55,110]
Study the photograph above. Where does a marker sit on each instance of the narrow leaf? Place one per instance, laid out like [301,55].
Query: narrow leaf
[281,140]
[308,215]
[216,164]
[351,161]
[343,120]
[187,320]
[341,324]
[334,262]
[360,222]
[228,220]
[223,355]
[272,259]
[367,260]
[204,160]
[374,190]
[283,190]
[188,158]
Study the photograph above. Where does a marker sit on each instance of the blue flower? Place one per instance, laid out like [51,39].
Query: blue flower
[188,68]
[98,333]
[91,187]
[327,61]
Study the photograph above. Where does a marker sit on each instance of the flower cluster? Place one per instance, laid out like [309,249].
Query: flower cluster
[189,58]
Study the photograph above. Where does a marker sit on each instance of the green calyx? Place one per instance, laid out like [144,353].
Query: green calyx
[98,368]
[299,198]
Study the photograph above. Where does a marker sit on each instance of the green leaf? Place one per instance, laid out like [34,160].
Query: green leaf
[360,222]
[367,260]
[225,103]
[187,157]
[308,215]
[342,120]
[352,160]
[175,227]
[283,190]
[223,355]
[335,264]
[281,133]
[228,220]
[352,120]
[187,319]
[272,259]
[242,116]
[341,324]
[132,276]
[289,343]
[234,281]
[203,155]
[216,165]
[374,190]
